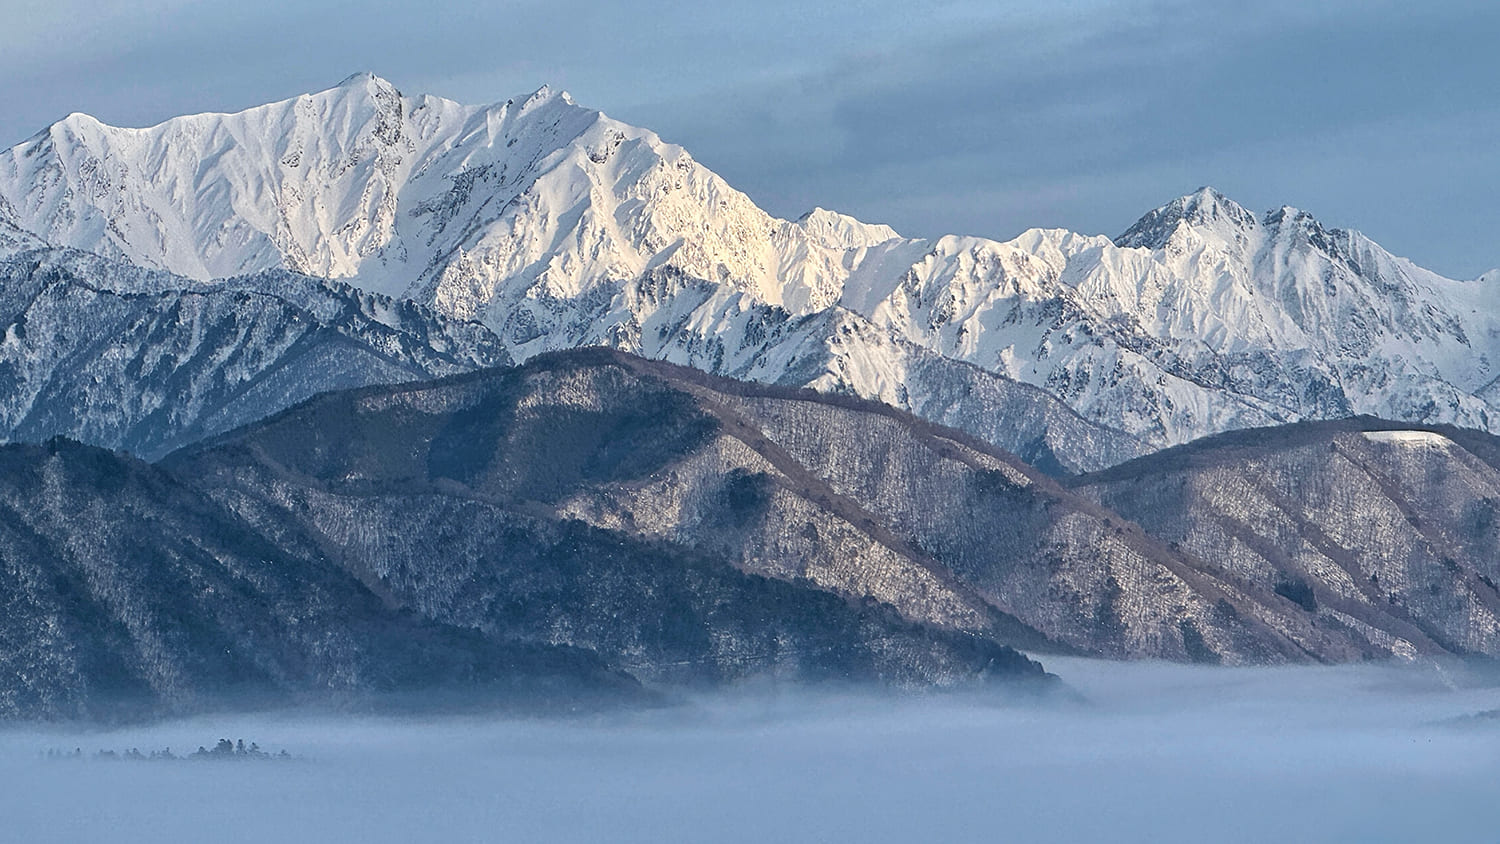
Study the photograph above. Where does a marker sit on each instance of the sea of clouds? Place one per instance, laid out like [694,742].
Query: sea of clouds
[1133,752]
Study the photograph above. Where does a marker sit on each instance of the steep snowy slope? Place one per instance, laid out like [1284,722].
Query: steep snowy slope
[146,361]
[14,238]
[470,207]
[557,226]
[1204,318]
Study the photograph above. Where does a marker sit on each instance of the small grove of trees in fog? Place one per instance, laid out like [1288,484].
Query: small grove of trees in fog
[225,749]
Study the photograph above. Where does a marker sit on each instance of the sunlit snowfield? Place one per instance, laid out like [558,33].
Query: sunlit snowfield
[1152,753]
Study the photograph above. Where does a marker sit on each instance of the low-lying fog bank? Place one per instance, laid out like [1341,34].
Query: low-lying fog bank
[1150,753]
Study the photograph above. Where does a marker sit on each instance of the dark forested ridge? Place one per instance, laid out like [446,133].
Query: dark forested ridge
[595,524]
[1380,534]
[863,501]
[126,593]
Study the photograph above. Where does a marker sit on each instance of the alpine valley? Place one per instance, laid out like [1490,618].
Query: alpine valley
[356,333]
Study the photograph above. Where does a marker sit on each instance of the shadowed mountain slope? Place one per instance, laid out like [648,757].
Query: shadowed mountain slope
[858,498]
[125,594]
[145,361]
[1380,532]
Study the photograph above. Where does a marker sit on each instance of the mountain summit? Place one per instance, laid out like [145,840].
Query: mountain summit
[556,226]
[1204,208]
[412,196]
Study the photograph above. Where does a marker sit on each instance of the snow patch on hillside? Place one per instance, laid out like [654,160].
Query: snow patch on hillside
[1410,439]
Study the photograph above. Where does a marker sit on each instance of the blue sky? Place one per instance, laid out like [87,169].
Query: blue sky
[978,118]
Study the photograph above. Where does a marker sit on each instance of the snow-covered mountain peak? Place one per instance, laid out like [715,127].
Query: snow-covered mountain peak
[364,85]
[363,79]
[1289,212]
[75,129]
[1204,209]
[840,231]
[557,226]
[540,95]
[1064,242]
[1289,221]
[313,183]
[76,119]
[425,198]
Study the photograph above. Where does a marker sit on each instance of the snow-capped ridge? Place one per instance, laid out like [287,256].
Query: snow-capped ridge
[557,226]
[546,94]
[836,230]
[1203,208]
[1291,218]
[79,118]
[364,84]
[1285,213]
[361,78]
[313,183]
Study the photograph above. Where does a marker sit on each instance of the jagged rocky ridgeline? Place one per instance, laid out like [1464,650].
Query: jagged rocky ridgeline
[116,356]
[558,227]
[145,361]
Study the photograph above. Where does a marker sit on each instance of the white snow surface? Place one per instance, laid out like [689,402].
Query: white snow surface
[1410,439]
[558,226]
